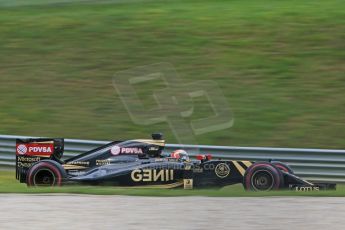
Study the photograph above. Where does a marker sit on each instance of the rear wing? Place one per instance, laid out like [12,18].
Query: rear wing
[30,151]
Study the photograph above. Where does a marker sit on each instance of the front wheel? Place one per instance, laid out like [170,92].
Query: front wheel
[263,176]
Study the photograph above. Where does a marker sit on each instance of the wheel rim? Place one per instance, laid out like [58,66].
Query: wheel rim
[44,177]
[262,180]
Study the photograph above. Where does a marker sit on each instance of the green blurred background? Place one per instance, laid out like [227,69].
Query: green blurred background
[280,65]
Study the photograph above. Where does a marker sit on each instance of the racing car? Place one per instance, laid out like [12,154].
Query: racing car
[142,163]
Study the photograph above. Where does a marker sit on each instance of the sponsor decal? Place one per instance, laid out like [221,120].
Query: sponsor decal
[188,167]
[188,183]
[73,167]
[22,149]
[116,150]
[149,175]
[131,150]
[306,189]
[24,164]
[102,162]
[76,172]
[222,170]
[33,149]
[154,148]
[86,163]
[198,169]
[26,161]
[172,159]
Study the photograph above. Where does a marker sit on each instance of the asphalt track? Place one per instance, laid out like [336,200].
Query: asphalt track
[126,212]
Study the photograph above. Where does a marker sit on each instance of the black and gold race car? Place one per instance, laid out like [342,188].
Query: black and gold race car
[141,163]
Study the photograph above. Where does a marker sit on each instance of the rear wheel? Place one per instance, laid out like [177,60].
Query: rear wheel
[46,173]
[263,176]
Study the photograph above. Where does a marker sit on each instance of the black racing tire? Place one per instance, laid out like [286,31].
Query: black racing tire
[283,167]
[263,176]
[46,173]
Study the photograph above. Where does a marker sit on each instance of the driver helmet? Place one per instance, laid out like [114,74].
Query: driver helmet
[180,154]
